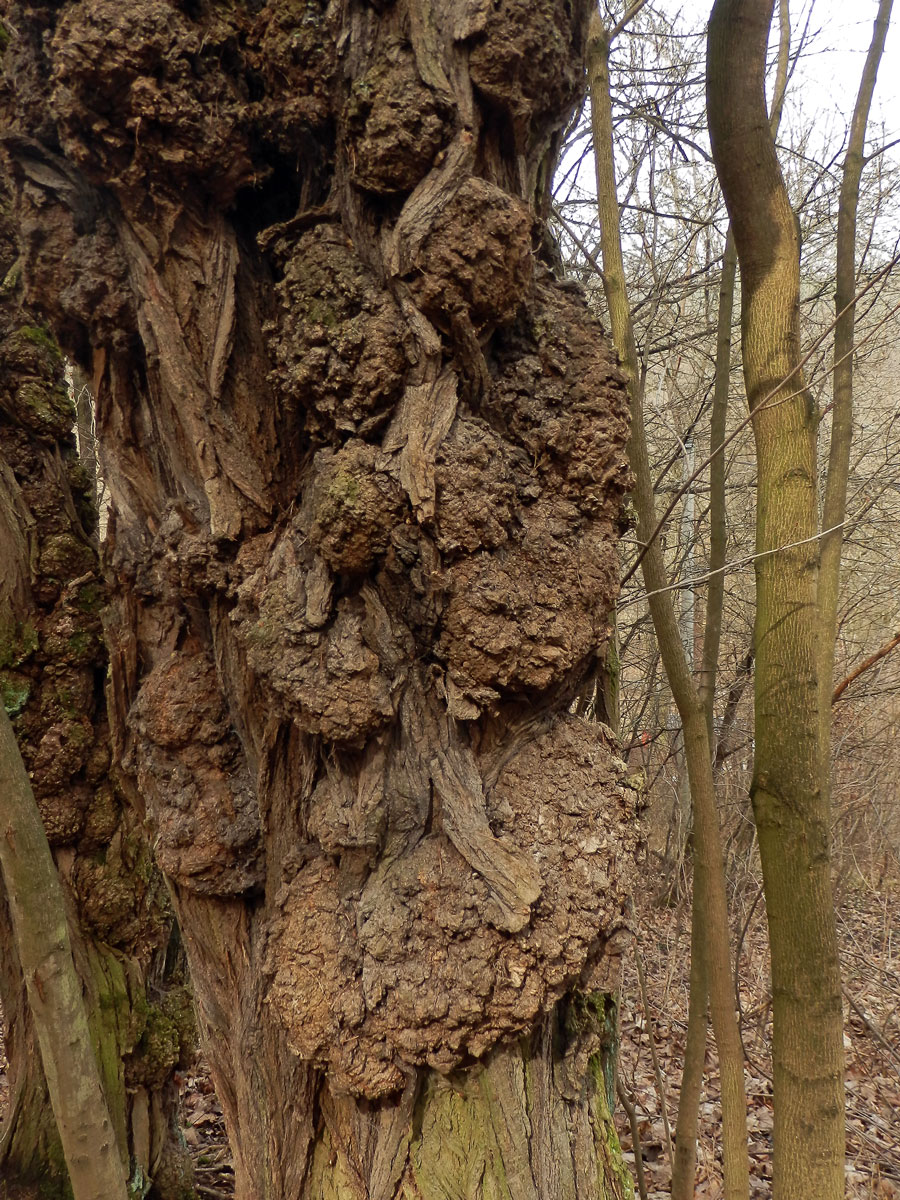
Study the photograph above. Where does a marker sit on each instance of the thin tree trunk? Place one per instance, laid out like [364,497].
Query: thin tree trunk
[366,464]
[834,507]
[709,880]
[54,990]
[684,1172]
[685,1165]
[789,806]
[706,684]
[718,524]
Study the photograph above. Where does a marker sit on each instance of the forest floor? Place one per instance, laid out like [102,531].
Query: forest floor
[869,927]
[869,932]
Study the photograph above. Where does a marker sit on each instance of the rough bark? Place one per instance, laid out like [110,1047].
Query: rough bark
[366,461]
[52,666]
[789,804]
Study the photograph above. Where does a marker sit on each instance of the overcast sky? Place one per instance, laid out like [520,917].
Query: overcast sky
[828,76]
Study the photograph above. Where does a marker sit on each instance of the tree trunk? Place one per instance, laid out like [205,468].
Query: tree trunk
[834,503]
[365,458]
[791,812]
[711,955]
[685,1166]
[52,665]
[95,1168]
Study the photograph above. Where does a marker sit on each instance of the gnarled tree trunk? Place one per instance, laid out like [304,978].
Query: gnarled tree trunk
[52,667]
[366,462]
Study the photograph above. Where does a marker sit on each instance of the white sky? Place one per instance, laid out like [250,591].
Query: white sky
[820,99]
[828,76]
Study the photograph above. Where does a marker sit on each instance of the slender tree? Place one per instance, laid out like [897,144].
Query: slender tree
[684,1169]
[789,803]
[834,508]
[95,1168]
[711,958]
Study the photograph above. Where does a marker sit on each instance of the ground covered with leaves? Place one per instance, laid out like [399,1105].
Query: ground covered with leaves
[869,931]
[654,1026]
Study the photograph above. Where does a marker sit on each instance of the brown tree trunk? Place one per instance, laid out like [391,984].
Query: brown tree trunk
[790,807]
[52,666]
[366,462]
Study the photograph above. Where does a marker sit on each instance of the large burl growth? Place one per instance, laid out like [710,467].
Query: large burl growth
[366,460]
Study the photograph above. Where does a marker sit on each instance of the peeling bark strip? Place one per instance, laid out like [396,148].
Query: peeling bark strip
[52,666]
[366,458]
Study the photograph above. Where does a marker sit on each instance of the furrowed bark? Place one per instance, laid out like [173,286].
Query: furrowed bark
[710,951]
[366,463]
[52,665]
[791,811]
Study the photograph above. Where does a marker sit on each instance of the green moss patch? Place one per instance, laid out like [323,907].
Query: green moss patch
[38,336]
[90,598]
[14,690]
[14,274]
[168,1039]
[18,641]
[64,556]
[45,408]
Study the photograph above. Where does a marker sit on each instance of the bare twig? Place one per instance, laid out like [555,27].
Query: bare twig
[864,666]
[630,13]
[660,1086]
[872,1027]
[731,566]
[768,401]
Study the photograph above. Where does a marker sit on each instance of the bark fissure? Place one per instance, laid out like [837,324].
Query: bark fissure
[52,664]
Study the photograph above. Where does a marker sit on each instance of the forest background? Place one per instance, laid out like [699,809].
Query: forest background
[673,228]
[672,281]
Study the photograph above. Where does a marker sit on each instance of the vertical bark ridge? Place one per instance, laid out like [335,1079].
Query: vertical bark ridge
[52,665]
